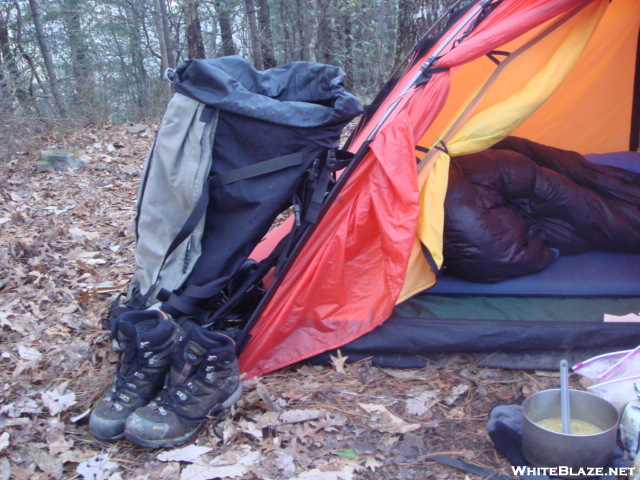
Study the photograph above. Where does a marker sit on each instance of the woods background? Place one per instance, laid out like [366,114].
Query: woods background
[79,62]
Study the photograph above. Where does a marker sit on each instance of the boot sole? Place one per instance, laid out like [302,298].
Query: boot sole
[113,439]
[177,441]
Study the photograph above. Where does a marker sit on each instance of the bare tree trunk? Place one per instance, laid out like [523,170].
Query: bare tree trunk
[288,41]
[325,34]
[303,31]
[195,44]
[414,18]
[162,41]
[157,20]
[266,37]
[41,84]
[226,32]
[8,61]
[166,30]
[256,46]
[348,51]
[82,92]
[48,62]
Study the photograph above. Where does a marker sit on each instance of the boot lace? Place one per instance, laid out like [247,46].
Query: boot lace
[144,356]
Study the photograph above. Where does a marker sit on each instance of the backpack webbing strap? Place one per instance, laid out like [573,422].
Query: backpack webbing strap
[258,169]
[336,160]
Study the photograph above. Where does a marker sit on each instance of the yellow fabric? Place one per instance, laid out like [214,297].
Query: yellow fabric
[481,131]
[419,273]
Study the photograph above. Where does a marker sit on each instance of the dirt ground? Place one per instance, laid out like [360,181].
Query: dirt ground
[66,251]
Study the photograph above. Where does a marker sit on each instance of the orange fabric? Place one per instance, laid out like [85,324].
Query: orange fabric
[591,111]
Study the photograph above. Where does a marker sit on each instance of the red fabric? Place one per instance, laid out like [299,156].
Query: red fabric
[352,268]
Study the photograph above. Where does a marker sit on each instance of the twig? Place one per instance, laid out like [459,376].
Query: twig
[112,172]
[4,282]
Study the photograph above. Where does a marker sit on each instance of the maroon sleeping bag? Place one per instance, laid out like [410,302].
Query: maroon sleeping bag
[513,209]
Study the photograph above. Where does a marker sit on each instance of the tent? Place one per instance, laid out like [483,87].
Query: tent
[564,73]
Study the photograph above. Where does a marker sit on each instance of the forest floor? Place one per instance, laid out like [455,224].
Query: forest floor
[66,251]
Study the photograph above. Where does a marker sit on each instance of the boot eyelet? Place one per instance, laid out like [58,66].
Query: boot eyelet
[212,358]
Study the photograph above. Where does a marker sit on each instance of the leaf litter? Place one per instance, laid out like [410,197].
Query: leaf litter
[66,250]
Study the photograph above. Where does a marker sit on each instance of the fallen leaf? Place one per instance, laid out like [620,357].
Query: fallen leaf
[82,233]
[296,416]
[97,468]
[456,392]
[5,468]
[372,463]
[348,453]
[421,402]
[20,407]
[346,473]
[406,374]
[284,462]
[188,454]
[232,464]
[4,440]
[56,400]
[266,397]
[28,353]
[338,362]
[385,421]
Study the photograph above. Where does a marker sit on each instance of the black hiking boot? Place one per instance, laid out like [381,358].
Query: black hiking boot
[146,340]
[203,381]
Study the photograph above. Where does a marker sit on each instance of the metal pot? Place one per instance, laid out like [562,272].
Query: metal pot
[545,448]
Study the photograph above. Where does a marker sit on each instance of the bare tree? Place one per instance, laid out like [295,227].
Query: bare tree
[195,44]
[256,44]
[325,32]
[226,32]
[166,33]
[414,18]
[48,62]
[266,36]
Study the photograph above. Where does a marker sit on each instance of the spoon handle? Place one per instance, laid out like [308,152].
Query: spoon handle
[564,397]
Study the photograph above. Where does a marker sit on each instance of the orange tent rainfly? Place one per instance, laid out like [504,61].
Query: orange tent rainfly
[562,73]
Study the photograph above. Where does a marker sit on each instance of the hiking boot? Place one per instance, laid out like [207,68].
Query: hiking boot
[146,340]
[203,381]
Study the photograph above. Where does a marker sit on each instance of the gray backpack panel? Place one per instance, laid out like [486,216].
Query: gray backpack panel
[173,178]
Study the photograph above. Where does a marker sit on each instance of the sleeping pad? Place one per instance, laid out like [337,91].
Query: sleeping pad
[512,209]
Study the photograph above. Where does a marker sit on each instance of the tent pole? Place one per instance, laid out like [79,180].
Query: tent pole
[634,137]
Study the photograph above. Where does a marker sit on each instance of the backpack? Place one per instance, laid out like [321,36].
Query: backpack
[236,148]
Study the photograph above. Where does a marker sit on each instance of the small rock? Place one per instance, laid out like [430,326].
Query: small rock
[139,128]
[57,159]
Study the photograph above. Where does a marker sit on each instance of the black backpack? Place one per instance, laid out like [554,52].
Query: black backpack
[236,148]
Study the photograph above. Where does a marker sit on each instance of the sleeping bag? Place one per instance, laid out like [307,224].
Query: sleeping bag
[512,209]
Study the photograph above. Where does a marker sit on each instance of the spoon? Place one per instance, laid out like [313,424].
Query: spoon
[565,412]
